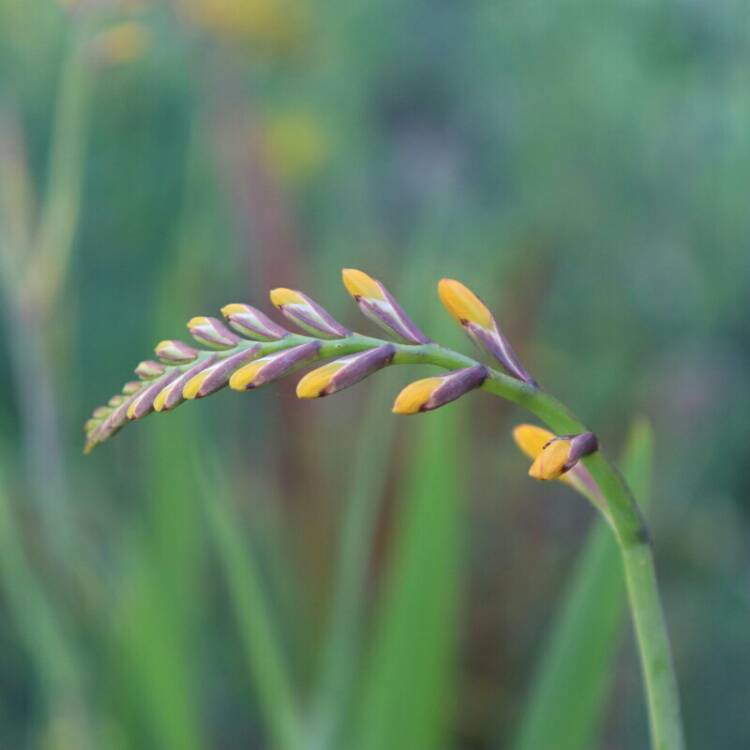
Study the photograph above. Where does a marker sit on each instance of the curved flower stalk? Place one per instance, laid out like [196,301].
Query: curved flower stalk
[264,352]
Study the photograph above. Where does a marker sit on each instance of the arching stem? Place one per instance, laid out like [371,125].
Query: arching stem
[626,520]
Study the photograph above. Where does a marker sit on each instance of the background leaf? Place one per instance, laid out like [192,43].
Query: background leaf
[411,666]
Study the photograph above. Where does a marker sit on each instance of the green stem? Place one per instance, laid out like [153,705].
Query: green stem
[654,647]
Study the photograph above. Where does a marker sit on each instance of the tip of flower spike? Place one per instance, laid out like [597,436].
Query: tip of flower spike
[463,304]
[551,462]
[359,284]
[283,296]
[413,398]
[315,383]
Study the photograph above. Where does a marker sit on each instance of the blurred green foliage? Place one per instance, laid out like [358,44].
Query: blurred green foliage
[252,570]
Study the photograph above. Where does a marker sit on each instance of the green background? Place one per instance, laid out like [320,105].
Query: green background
[583,166]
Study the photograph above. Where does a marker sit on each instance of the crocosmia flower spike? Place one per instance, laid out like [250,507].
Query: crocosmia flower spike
[431,393]
[307,314]
[380,306]
[335,376]
[480,325]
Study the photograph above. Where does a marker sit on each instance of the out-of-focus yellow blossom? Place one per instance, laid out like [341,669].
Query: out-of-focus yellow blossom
[295,145]
[121,43]
[276,25]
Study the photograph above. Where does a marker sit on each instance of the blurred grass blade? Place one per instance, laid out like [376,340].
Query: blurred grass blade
[410,668]
[568,695]
[156,622]
[262,649]
[41,628]
[341,651]
[340,658]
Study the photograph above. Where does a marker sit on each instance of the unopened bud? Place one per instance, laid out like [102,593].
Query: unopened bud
[380,306]
[212,332]
[252,323]
[273,366]
[344,372]
[307,314]
[175,352]
[431,393]
[480,325]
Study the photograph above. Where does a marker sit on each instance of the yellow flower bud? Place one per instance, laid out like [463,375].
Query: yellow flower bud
[531,439]
[463,304]
[282,296]
[413,398]
[244,377]
[359,284]
[315,382]
[550,463]
[191,388]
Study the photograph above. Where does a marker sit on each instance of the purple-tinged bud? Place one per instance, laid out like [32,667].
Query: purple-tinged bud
[143,403]
[171,395]
[252,323]
[307,314]
[431,393]
[335,376]
[561,454]
[217,376]
[174,352]
[101,412]
[480,325]
[583,444]
[149,369]
[132,387]
[212,332]
[116,400]
[273,366]
[380,306]
[91,424]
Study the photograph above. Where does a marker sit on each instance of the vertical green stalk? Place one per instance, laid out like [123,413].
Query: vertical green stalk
[654,647]
[645,605]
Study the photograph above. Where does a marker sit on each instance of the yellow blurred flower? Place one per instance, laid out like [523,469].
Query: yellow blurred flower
[277,25]
[121,43]
[295,145]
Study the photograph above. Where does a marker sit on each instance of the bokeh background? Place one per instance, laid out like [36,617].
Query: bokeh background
[582,165]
